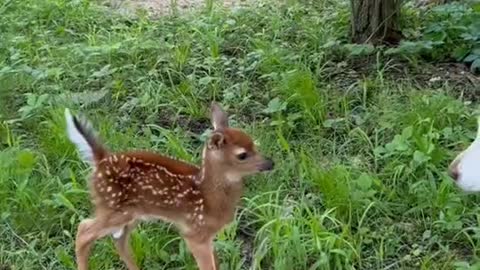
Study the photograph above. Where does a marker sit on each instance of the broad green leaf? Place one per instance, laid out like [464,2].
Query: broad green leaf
[364,181]
[420,157]
[475,65]
[26,159]
[275,105]
[471,57]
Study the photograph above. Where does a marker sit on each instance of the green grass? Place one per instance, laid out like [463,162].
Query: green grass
[360,181]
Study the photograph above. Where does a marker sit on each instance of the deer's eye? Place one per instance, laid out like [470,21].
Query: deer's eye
[242,156]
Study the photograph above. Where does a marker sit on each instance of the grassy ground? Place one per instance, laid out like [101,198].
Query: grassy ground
[360,181]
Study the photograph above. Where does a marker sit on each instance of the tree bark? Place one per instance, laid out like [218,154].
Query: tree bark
[376,21]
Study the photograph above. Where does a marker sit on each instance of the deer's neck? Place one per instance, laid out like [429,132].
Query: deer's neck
[221,191]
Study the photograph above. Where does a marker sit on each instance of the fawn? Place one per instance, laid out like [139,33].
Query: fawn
[463,168]
[132,186]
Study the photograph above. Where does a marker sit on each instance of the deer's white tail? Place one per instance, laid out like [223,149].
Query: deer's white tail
[82,134]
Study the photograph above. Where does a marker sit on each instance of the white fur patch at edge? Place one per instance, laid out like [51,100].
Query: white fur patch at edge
[468,169]
[239,150]
[86,151]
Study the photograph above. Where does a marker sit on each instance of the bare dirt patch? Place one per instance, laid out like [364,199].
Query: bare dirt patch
[162,7]
[455,76]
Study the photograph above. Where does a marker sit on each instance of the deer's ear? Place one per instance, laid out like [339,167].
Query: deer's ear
[216,141]
[219,117]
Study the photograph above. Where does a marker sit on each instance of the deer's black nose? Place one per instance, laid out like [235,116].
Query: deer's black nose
[267,165]
[453,173]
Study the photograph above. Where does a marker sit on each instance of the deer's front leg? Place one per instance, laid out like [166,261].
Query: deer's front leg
[203,252]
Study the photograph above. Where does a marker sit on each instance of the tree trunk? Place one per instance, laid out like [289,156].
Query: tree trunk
[376,21]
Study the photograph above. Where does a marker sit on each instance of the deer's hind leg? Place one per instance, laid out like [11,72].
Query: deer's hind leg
[122,245]
[90,230]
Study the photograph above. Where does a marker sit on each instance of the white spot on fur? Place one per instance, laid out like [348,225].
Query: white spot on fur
[117,234]
[233,177]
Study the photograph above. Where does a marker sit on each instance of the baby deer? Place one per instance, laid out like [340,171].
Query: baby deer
[138,185]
